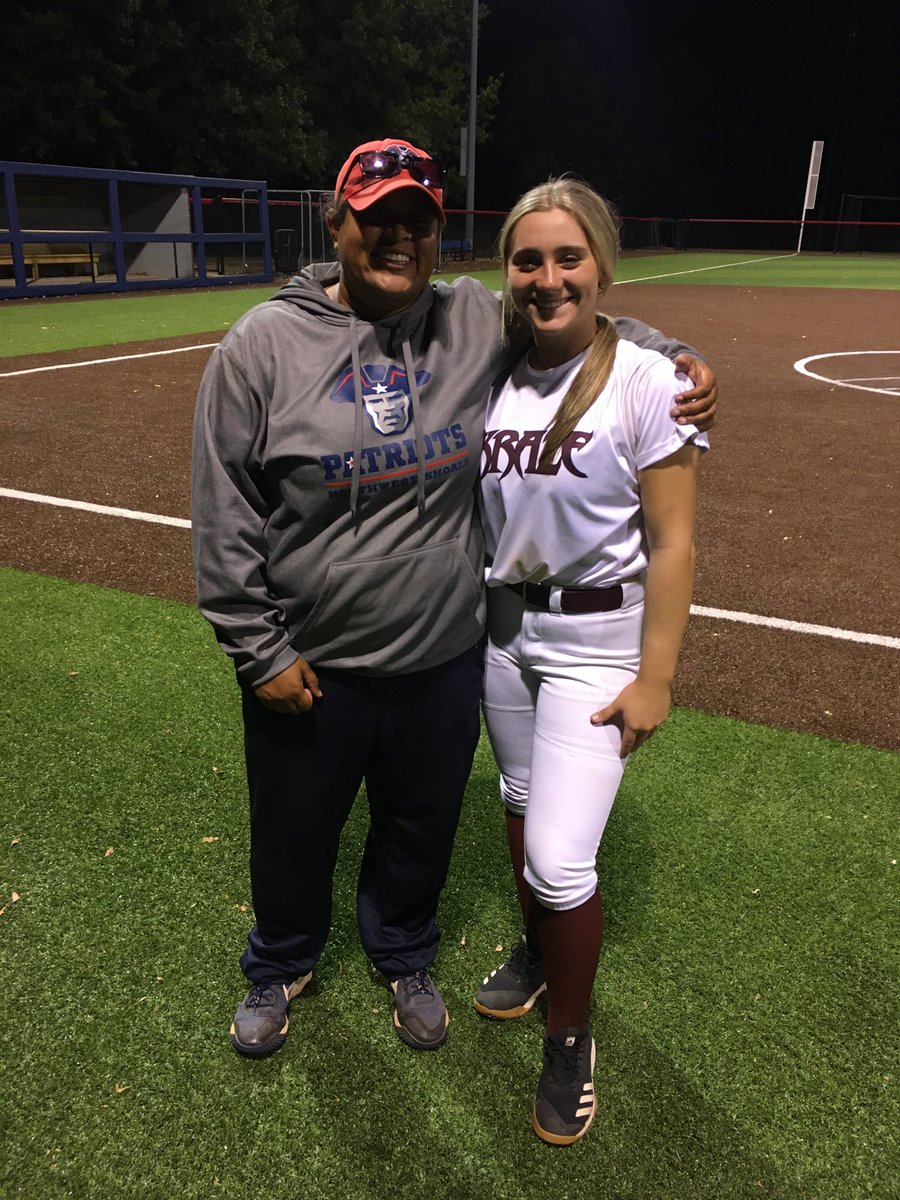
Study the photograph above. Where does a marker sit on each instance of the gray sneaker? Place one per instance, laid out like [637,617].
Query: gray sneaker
[260,1024]
[420,1015]
[512,989]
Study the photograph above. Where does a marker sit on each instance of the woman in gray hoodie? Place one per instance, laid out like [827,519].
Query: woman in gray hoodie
[340,561]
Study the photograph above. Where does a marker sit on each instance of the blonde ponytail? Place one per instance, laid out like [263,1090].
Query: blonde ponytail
[584,390]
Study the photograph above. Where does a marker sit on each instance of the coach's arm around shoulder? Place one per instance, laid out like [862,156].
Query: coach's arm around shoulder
[696,406]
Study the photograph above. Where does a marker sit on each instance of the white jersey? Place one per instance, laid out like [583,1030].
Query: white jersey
[580,525]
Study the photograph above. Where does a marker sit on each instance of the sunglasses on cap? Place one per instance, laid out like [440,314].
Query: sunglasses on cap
[384,164]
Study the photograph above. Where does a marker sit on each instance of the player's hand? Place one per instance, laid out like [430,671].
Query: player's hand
[291,692]
[638,711]
[698,406]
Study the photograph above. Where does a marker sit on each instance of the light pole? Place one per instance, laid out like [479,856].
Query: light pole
[470,142]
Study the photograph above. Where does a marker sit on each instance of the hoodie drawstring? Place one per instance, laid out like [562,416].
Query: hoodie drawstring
[357,416]
[417,422]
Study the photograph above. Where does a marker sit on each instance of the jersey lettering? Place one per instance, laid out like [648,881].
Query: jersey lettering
[505,449]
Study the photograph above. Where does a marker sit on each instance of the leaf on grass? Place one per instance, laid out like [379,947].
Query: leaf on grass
[462,940]
[122,1087]
[110,851]
[757,997]
[14,897]
[71,674]
[756,891]
[241,907]
[207,840]
[2,910]
[15,841]
[499,948]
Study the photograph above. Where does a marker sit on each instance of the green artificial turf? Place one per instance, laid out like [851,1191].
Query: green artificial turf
[739,269]
[35,327]
[745,1010]
[742,269]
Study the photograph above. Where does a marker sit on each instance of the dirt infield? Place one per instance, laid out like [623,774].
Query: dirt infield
[798,518]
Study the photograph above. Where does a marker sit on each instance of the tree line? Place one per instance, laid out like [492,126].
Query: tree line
[264,89]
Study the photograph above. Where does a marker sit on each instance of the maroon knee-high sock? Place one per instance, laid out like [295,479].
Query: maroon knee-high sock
[515,837]
[570,944]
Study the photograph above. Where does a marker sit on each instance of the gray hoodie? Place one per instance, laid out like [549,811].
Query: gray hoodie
[335,462]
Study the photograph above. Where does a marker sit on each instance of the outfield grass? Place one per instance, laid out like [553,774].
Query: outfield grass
[745,1011]
[36,327]
[32,327]
[740,269]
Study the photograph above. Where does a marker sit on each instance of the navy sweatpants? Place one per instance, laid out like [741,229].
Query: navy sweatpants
[412,739]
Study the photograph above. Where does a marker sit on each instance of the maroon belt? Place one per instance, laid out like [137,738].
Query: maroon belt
[571,600]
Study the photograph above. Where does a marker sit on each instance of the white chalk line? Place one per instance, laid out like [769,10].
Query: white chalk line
[720,614]
[696,610]
[104,509]
[802,367]
[96,362]
[694,270]
[847,635]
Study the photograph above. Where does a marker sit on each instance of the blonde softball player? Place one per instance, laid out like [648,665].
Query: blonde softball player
[588,494]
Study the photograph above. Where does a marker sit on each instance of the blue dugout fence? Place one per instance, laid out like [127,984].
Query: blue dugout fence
[66,230]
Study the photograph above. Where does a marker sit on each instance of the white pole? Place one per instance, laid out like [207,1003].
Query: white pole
[812,185]
[470,148]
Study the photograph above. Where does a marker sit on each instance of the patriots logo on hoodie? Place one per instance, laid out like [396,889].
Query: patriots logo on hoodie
[385,393]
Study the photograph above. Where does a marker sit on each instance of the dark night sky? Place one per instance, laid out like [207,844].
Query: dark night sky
[694,109]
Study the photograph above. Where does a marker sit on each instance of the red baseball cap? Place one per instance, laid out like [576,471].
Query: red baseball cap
[360,180]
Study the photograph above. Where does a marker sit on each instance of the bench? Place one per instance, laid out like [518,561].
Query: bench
[457,249]
[63,254]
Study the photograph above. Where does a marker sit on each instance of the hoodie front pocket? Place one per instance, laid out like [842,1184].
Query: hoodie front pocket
[394,613]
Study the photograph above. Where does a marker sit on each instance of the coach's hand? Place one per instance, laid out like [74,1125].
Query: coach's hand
[698,406]
[638,711]
[292,691]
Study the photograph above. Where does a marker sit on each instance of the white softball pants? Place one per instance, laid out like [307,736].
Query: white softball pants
[545,674]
